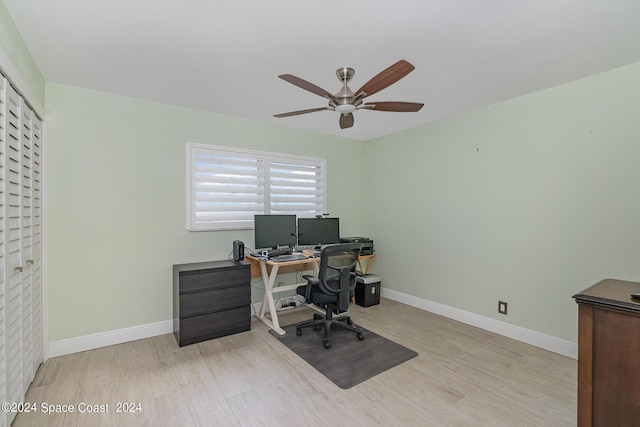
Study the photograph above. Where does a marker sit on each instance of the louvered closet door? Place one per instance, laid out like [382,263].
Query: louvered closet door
[4,417]
[15,350]
[26,236]
[36,244]
[21,347]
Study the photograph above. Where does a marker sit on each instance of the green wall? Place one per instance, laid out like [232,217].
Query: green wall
[13,45]
[117,203]
[527,201]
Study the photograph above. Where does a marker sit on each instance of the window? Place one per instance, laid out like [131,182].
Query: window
[226,187]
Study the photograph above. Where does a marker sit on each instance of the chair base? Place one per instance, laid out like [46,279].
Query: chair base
[328,322]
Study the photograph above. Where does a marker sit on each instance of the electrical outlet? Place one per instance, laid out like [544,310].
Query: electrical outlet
[502,307]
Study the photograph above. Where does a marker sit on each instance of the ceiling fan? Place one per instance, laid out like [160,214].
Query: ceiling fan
[346,101]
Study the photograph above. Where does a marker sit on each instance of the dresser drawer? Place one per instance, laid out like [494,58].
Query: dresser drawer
[193,281]
[197,303]
[214,325]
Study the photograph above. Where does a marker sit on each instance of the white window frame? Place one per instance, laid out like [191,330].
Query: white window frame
[264,204]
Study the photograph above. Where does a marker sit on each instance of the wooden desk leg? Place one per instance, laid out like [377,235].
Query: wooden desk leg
[316,269]
[367,263]
[267,289]
[269,280]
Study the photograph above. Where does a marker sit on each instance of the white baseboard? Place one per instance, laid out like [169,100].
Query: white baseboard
[547,342]
[104,339]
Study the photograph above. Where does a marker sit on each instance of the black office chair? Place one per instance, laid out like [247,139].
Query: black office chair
[332,289]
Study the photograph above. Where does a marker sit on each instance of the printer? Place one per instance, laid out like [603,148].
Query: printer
[367,244]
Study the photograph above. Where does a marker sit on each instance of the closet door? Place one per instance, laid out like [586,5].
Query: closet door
[30,238]
[15,350]
[35,262]
[21,346]
[26,249]
[4,417]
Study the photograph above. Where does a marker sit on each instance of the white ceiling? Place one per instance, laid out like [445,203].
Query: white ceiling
[225,55]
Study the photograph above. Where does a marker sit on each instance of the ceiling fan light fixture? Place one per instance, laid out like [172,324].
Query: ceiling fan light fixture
[345,108]
[346,102]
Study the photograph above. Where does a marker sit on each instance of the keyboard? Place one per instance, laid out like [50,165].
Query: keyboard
[285,258]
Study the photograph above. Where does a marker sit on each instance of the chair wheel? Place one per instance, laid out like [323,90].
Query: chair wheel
[349,321]
[298,331]
[326,344]
[360,337]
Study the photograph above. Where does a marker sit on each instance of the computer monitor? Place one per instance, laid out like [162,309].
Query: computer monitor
[318,231]
[273,231]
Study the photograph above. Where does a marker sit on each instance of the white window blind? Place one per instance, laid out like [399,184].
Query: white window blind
[227,186]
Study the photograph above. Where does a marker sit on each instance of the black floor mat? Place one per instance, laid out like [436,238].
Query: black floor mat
[348,362]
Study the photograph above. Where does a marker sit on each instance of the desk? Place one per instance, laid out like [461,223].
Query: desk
[269,279]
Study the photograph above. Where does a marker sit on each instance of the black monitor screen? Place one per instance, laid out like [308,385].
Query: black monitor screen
[318,231]
[272,231]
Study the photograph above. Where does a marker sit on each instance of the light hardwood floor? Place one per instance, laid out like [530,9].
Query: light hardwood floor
[463,376]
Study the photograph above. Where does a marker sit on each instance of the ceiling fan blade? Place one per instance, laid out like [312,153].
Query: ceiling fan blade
[402,107]
[306,85]
[387,77]
[296,113]
[346,120]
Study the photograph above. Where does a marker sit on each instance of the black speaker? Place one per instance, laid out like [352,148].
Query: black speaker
[238,250]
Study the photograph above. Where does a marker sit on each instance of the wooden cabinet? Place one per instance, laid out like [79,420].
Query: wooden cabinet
[609,354]
[210,300]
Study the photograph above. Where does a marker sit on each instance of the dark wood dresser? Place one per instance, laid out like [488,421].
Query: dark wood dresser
[210,300]
[609,354]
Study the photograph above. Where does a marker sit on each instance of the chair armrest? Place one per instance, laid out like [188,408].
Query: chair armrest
[311,280]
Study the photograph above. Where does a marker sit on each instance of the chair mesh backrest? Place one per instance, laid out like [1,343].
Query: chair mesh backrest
[337,263]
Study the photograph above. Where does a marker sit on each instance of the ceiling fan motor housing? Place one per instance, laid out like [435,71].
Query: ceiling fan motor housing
[343,102]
